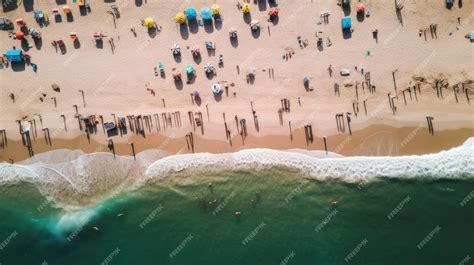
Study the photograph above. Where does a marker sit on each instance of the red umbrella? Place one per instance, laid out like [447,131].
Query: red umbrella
[19,35]
[360,8]
[273,12]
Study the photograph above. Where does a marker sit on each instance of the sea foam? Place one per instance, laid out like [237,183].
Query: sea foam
[74,179]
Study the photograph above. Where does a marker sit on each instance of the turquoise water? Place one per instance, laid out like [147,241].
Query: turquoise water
[285,219]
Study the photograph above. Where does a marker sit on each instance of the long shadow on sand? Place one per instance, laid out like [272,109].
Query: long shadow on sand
[183,30]
[360,16]
[247,18]
[347,10]
[197,59]
[28,5]
[208,26]
[234,42]
[18,66]
[77,44]
[256,33]
[347,33]
[138,2]
[193,26]
[262,5]
[178,84]
[38,43]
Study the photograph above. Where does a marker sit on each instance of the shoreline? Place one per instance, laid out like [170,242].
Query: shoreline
[374,140]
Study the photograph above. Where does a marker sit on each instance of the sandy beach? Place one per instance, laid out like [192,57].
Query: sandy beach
[121,81]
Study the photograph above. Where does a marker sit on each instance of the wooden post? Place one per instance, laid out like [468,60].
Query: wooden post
[83,98]
[325,145]
[133,150]
[64,121]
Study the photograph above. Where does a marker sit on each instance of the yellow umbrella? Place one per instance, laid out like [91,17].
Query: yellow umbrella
[148,22]
[180,18]
[215,9]
[246,8]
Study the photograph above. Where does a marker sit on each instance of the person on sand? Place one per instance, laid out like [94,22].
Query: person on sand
[330,70]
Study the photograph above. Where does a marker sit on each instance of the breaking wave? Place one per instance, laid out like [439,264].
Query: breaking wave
[73,179]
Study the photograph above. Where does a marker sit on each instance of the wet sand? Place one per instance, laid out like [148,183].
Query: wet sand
[375,140]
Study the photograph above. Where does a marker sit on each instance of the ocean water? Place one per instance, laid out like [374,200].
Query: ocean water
[90,209]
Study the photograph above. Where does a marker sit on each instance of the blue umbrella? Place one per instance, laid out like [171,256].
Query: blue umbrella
[306,79]
[191,13]
[206,13]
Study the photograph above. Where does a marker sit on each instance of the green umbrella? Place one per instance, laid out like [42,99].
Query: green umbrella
[189,69]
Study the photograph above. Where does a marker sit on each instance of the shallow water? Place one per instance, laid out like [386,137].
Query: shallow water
[285,219]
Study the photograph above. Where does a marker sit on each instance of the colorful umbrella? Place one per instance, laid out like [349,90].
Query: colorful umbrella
[176,49]
[206,13]
[209,68]
[19,35]
[195,50]
[215,9]
[176,74]
[180,18]
[196,94]
[246,8]
[360,8]
[189,70]
[148,22]
[273,12]
[191,13]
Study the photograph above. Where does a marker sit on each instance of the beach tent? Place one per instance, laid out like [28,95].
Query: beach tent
[149,22]
[215,9]
[180,18]
[246,8]
[206,13]
[273,12]
[216,88]
[346,23]
[19,35]
[191,13]
[360,8]
[189,70]
[14,56]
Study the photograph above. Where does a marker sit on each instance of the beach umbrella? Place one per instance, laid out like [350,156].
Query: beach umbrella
[73,35]
[215,9]
[232,32]
[216,88]
[196,94]
[306,79]
[209,68]
[346,22]
[195,50]
[19,35]
[176,49]
[189,70]
[206,13]
[191,13]
[360,8]
[273,12]
[254,25]
[246,8]
[180,18]
[66,9]
[176,74]
[149,22]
